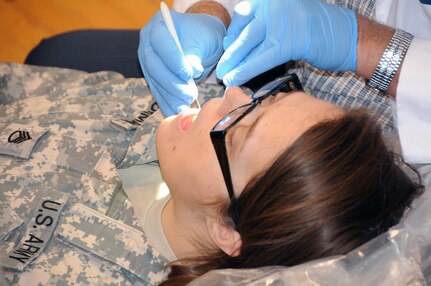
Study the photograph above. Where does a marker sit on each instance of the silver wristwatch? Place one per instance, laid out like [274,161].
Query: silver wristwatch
[391,60]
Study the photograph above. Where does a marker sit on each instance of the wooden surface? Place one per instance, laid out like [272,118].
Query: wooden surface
[23,23]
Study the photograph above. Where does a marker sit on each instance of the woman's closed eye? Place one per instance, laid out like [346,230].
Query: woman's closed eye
[269,100]
[244,129]
[233,140]
[238,136]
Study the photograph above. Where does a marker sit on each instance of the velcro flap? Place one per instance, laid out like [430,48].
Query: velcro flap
[18,140]
[110,240]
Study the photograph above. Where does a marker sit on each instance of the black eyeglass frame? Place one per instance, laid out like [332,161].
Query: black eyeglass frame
[287,83]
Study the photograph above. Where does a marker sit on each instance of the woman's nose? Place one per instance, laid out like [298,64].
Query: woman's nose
[234,97]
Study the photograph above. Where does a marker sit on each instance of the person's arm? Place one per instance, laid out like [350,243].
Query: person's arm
[410,86]
[183,5]
[373,38]
[210,7]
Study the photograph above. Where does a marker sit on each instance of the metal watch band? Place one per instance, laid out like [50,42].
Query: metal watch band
[391,60]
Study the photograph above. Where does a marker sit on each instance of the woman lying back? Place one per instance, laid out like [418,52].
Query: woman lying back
[293,178]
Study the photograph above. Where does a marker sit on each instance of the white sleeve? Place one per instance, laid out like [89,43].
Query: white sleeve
[414,103]
[409,15]
[182,5]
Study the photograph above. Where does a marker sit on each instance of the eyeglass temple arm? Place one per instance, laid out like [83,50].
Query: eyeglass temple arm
[219,143]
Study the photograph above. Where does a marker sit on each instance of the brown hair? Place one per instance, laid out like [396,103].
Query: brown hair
[336,187]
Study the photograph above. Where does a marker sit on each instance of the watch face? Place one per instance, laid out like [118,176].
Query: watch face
[427,2]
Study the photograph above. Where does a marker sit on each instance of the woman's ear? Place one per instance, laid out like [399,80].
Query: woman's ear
[224,236]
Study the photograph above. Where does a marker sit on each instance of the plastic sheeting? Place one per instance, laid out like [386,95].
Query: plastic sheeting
[401,256]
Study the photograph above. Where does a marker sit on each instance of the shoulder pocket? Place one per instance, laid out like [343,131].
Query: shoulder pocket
[111,242]
[19,140]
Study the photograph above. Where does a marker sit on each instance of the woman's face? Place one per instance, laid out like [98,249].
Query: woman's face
[187,158]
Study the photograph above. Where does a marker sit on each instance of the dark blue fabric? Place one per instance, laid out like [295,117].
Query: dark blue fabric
[114,50]
[427,2]
[91,51]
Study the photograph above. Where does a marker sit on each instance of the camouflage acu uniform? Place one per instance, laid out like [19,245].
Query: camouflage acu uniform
[64,217]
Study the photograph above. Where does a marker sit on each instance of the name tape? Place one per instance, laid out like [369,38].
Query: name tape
[39,231]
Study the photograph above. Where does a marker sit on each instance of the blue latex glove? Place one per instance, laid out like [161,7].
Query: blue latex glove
[264,34]
[166,69]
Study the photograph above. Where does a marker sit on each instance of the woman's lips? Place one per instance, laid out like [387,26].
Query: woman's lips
[187,118]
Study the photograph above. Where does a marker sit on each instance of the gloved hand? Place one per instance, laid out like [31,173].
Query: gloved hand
[166,69]
[264,34]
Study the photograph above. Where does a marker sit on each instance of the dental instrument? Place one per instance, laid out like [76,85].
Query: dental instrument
[171,28]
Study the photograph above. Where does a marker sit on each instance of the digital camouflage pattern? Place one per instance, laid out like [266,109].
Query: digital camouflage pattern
[64,218]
